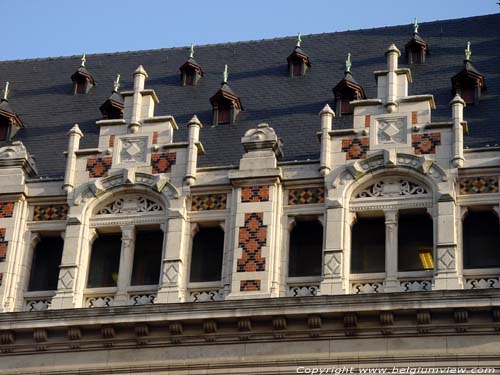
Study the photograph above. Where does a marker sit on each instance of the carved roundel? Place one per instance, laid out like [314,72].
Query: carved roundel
[129,205]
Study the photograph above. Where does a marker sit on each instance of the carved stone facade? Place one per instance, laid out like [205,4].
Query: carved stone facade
[388,161]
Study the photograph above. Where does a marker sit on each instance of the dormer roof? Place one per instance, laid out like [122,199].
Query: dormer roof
[7,111]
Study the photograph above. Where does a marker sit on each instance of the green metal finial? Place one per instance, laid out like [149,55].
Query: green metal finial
[415,26]
[226,74]
[299,40]
[191,52]
[84,60]
[348,63]
[6,92]
[116,83]
[468,52]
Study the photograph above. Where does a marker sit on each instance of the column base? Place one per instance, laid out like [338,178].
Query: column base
[170,294]
[447,281]
[331,287]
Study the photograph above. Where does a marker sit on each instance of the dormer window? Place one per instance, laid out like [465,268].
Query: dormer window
[226,105]
[347,90]
[9,120]
[298,61]
[112,108]
[417,48]
[468,83]
[191,71]
[83,81]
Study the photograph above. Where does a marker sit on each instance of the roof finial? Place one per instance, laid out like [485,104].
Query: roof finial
[84,60]
[226,74]
[191,51]
[116,83]
[415,26]
[348,63]
[468,52]
[6,92]
[299,40]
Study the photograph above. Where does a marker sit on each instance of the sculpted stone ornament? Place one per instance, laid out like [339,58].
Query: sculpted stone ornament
[262,138]
[391,130]
[133,150]
[17,155]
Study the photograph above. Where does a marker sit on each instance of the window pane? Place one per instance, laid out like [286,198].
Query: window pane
[45,264]
[105,261]
[345,106]
[415,242]
[468,94]
[206,257]
[4,128]
[297,69]
[416,56]
[306,249]
[368,245]
[223,116]
[481,240]
[147,258]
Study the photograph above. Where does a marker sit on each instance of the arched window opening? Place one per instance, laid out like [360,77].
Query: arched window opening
[45,264]
[306,249]
[105,261]
[207,253]
[481,239]
[415,241]
[368,245]
[147,257]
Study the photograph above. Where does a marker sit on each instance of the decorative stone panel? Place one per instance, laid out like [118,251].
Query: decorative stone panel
[98,167]
[368,287]
[425,143]
[308,195]
[133,150]
[252,237]
[303,290]
[249,285]
[50,212]
[391,130]
[206,295]
[482,283]
[255,194]
[6,209]
[416,286]
[355,148]
[162,162]
[478,185]
[206,202]
[3,245]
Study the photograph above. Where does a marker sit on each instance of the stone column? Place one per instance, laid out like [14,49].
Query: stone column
[333,251]
[392,54]
[327,116]
[126,264]
[194,127]
[75,134]
[173,274]
[457,110]
[391,283]
[446,276]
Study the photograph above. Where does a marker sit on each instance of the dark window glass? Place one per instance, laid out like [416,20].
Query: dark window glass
[206,256]
[147,258]
[4,128]
[306,249]
[105,261]
[468,94]
[416,56]
[481,240]
[415,242]
[368,245]
[80,87]
[45,264]
[189,78]
[297,69]
[223,115]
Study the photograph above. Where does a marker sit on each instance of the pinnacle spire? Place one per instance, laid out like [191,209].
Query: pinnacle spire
[191,51]
[468,52]
[83,61]
[299,40]
[225,74]
[415,26]
[348,63]
[5,97]
[116,83]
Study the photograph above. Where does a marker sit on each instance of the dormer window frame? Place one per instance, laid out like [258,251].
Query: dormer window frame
[190,74]
[345,92]
[469,85]
[233,112]
[298,63]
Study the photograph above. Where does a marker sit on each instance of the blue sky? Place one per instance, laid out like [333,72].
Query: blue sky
[43,28]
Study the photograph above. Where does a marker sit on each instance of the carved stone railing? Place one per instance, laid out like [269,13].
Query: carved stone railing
[138,299]
[303,290]
[38,301]
[99,301]
[416,285]
[364,287]
[482,282]
[206,295]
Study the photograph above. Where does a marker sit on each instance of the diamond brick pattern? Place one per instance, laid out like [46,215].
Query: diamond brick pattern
[367,121]
[252,237]
[206,202]
[478,185]
[306,195]
[6,209]
[414,118]
[162,162]
[249,285]
[355,148]
[255,194]
[155,138]
[50,212]
[425,143]
[3,245]
[98,167]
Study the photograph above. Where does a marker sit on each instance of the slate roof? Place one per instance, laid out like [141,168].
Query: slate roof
[41,89]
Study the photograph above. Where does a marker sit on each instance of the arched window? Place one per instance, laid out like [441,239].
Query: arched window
[45,264]
[306,249]
[105,261]
[481,239]
[368,245]
[206,255]
[415,241]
